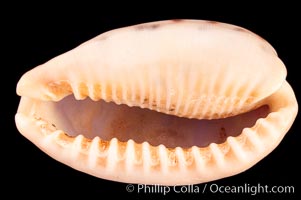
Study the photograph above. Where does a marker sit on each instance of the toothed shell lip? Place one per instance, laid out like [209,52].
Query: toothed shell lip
[248,89]
[115,160]
[144,163]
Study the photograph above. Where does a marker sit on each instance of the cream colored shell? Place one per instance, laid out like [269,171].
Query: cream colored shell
[188,68]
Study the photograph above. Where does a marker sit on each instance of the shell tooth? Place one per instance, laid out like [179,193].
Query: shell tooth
[189,158]
[151,89]
[181,161]
[54,136]
[80,91]
[191,85]
[253,140]
[130,155]
[116,97]
[199,162]
[158,98]
[217,154]
[140,92]
[163,155]
[104,95]
[45,127]
[57,90]
[196,109]
[112,157]
[147,159]
[237,149]
[178,108]
[95,92]
[169,98]
[264,130]
[102,152]
[154,157]
[76,146]
[59,135]
[138,154]
[172,159]
[124,89]
[62,139]
[94,153]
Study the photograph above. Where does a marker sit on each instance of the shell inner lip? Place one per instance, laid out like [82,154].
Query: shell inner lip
[108,120]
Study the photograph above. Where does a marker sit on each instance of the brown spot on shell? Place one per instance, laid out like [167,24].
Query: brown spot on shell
[243,30]
[222,134]
[239,29]
[103,37]
[264,45]
[144,27]
[211,22]
[118,124]
[177,20]
[207,24]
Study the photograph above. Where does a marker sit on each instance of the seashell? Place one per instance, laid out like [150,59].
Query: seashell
[170,102]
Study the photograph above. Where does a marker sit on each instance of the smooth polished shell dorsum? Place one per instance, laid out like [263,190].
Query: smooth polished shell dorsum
[203,100]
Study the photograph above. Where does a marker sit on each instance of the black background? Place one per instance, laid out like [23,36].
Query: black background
[37,36]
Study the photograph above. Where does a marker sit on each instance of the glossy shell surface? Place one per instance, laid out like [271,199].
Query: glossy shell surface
[192,69]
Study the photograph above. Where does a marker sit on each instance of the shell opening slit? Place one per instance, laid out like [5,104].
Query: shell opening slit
[108,120]
[172,102]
